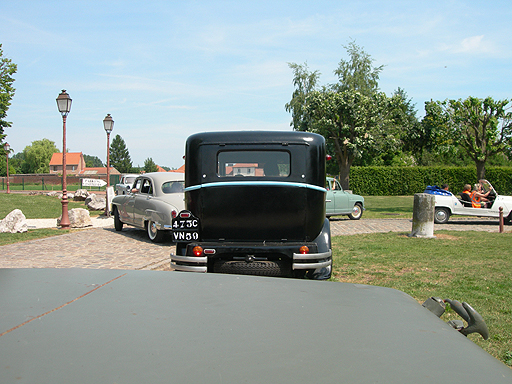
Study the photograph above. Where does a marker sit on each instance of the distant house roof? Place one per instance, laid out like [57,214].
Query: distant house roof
[245,165]
[72,158]
[179,170]
[160,169]
[98,171]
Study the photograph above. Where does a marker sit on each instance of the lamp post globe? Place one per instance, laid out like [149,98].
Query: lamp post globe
[64,106]
[7,147]
[108,125]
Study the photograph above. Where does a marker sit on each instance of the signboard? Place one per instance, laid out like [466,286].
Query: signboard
[93,183]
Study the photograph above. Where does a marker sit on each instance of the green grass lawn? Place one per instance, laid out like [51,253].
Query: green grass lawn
[388,207]
[466,266]
[36,206]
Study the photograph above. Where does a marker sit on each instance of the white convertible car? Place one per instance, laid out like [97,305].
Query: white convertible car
[448,204]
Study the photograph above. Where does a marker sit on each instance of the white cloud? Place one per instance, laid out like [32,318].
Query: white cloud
[473,44]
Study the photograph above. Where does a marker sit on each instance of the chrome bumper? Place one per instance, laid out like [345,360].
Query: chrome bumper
[312,260]
[300,261]
[200,263]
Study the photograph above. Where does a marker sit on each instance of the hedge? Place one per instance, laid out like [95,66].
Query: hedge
[396,181]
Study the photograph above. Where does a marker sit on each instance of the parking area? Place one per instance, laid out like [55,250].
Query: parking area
[104,248]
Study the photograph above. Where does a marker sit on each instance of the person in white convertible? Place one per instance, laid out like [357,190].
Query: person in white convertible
[479,198]
[448,205]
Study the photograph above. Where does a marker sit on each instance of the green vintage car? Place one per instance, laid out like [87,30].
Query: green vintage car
[340,202]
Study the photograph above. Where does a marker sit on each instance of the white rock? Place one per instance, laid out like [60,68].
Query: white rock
[78,218]
[14,222]
[95,203]
[81,195]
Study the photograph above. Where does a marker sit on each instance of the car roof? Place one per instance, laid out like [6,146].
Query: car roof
[255,137]
[93,325]
[162,177]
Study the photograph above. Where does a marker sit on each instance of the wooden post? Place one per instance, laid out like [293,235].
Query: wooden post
[501,219]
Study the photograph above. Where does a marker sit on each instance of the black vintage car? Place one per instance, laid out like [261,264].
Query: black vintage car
[255,204]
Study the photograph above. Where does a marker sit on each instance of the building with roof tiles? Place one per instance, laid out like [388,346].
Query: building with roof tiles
[99,171]
[75,163]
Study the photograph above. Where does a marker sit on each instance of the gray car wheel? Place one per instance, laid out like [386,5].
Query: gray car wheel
[154,234]
[118,224]
[441,215]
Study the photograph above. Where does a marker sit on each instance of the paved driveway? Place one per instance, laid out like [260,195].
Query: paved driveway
[103,247]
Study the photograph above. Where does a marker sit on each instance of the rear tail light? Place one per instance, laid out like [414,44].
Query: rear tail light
[184,215]
[304,250]
[174,214]
[197,251]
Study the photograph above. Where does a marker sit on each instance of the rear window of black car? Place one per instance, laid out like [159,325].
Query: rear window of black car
[253,163]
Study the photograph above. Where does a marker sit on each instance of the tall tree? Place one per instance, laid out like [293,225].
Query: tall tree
[304,82]
[37,156]
[119,155]
[93,161]
[352,122]
[483,127]
[357,73]
[149,165]
[351,114]
[7,70]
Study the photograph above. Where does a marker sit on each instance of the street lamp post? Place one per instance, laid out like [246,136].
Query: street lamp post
[108,124]
[7,147]
[64,105]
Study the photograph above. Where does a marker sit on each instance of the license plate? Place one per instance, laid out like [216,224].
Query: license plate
[185,229]
[185,224]
[184,237]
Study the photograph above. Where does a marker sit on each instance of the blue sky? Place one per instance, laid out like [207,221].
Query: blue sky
[168,69]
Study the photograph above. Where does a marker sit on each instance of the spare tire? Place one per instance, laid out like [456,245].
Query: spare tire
[258,268]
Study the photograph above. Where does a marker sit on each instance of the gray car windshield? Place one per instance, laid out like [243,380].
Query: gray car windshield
[253,163]
[129,180]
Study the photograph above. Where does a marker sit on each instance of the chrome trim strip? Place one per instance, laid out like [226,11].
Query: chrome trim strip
[256,183]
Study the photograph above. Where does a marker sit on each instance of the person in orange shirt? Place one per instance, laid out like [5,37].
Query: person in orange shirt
[479,199]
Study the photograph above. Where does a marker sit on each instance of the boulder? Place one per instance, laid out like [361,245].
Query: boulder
[95,203]
[78,218]
[14,222]
[81,195]
[70,195]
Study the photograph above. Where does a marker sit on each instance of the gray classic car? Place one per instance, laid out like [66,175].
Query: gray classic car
[120,326]
[340,202]
[152,202]
[125,183]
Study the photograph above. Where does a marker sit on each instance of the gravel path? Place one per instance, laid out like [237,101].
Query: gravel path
[102,247]
[97,221]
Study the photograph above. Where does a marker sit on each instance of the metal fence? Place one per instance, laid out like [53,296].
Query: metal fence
[49,181]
